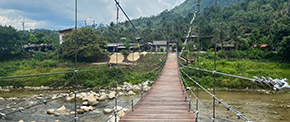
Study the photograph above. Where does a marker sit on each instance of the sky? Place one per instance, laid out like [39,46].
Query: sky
[59,14]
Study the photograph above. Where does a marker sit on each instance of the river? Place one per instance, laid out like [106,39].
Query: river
[256,106]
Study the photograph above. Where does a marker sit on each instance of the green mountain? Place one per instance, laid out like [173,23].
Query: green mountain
[160,26]
[189,5]
[243,23]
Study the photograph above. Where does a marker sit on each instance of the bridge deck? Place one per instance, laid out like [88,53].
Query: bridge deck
[165,101]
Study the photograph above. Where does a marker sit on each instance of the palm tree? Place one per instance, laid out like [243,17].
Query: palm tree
[234,33]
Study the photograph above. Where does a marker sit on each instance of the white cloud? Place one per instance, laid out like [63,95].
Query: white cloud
[15,19]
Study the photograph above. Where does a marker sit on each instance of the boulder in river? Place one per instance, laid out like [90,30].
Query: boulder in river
[81,95]
[87,109]
[119,88]
[72,113]
[20,121]
[121,114]
[107,111]
[80,111]
[146,88]
[61,109]
[131,93]
[111,95]
[2,99]
[56,114]
[50,111]
[102,98]
[121,94]
[86,103]
[68,98]
[136,88]
[93,101]
[12,98]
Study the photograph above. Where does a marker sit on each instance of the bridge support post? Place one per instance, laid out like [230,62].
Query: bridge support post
[189,103]
[115,114]
[142,91]
[132,105]
[75,101]
[196,111]
[116,97]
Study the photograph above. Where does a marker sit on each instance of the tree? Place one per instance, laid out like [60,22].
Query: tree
[90,45]
[234,33]
[284,50]
[10,42]
[32,39]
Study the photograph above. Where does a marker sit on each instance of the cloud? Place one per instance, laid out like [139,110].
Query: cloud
[14,18]
[59,14]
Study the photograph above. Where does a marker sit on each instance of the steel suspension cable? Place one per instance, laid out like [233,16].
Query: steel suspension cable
[128,18]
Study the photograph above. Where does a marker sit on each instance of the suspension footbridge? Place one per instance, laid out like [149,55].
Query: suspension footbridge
[166,101]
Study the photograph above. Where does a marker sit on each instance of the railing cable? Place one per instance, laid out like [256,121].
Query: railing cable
[238,114]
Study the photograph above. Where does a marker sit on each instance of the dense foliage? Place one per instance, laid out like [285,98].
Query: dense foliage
[243,23]
[13,42]
[10,41]
[90,45]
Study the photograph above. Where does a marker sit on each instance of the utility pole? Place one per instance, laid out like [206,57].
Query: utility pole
[23,25]
[117,21]
[94,24]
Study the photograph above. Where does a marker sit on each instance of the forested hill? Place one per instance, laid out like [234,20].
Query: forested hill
[185,9]
[174,19]
[189,5]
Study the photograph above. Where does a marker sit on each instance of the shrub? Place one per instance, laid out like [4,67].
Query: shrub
[38,55]
[49,63]
[125,52]
[222,54]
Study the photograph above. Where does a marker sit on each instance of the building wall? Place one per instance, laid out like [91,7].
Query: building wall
[61,38]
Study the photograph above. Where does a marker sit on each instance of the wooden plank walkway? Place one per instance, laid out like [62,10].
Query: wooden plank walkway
[165,102]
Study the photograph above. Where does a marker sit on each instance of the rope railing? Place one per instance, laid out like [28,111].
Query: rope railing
[228,107]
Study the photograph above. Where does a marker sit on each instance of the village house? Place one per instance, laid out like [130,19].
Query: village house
[62,34]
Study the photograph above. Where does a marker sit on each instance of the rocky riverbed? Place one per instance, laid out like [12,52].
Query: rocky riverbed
[98,105]
[92,105]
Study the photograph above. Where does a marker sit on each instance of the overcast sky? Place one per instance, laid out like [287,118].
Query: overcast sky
[59,14]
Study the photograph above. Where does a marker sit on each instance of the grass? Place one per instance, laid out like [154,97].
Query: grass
[87,79]
[242,67]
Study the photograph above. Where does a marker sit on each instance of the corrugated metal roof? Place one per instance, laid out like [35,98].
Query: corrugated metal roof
[159,42]
[112,45]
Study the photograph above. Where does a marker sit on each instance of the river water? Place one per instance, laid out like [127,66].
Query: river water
[257,107]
